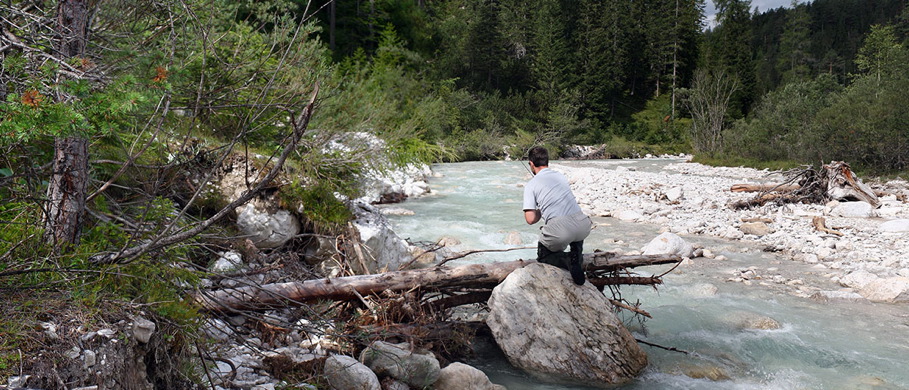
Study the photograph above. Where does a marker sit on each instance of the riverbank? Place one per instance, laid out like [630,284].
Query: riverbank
[869,261]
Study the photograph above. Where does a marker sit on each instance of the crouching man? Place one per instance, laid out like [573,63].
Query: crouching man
[547,196]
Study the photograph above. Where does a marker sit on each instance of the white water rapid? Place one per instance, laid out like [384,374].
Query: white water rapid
[758,336]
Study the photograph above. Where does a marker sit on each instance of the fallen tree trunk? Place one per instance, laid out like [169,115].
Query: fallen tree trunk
[348,288]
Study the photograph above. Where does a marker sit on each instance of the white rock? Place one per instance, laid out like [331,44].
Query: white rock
[400,361]
[858,279]
[895,226]
[387,251]
[396,211]
[853,210]
[143,329]
[629,215]
[674,194]
[669,244]
[89,358]
[265,225]
[227,262]
[894,289]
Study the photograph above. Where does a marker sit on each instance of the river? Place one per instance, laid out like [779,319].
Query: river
[817,345]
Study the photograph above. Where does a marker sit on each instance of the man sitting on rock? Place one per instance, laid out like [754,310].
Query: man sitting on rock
[548,196]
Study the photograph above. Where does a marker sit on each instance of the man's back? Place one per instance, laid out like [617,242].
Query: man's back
[550,193]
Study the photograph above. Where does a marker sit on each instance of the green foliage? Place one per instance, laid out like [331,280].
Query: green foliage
[881,54]
[783,125]
[655,125]
[322,210]
[32,113]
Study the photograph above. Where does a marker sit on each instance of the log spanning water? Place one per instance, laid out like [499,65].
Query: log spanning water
[471,275]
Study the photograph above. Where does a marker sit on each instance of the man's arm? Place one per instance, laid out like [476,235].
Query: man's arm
[532,216]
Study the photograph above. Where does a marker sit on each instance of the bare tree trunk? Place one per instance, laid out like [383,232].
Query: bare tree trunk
[332,9]
[349,288]
[67,189]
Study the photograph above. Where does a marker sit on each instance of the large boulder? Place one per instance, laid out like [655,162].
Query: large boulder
[668,244]
[560,332]
[386,250]
[400,361]
[459,376]
[346,373]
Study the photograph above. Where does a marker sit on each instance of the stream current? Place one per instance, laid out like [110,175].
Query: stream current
[817,345]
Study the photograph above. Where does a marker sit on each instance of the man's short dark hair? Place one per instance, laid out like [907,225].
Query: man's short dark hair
[539,156]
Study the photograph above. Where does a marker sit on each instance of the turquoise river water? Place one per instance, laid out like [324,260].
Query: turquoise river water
[840,345]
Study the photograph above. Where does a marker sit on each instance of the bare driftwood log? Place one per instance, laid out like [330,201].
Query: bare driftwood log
[351,287]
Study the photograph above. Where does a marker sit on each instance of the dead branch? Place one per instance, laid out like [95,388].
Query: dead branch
[630,308]
[299,128]
[821,226]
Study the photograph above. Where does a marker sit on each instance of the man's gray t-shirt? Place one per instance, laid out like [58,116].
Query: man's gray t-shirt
[550,193]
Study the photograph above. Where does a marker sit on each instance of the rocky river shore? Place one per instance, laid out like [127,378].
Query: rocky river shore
[869,261]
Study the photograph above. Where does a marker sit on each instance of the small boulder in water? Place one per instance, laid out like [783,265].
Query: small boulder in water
[668,244]
[459,376]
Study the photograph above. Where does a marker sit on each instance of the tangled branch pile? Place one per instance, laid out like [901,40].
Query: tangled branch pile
[834,181]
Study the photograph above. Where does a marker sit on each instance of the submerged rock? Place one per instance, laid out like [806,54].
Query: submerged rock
[459,376]
[749,320]
[560,332]
[513,238]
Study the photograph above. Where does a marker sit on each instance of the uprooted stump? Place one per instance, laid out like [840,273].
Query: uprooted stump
[834,181]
